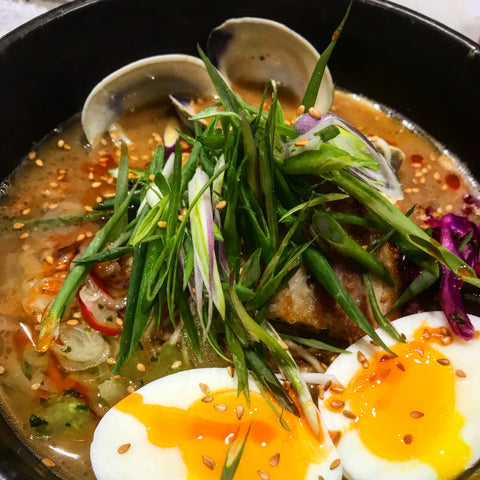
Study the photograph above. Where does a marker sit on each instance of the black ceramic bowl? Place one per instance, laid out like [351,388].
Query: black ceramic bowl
[421,69]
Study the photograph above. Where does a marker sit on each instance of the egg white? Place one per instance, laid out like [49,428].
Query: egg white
[147,461]
[358,462]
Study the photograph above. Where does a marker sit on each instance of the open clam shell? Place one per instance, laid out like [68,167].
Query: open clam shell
[257,50]
[140,83]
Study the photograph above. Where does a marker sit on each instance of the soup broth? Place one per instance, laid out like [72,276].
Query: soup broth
[54,400]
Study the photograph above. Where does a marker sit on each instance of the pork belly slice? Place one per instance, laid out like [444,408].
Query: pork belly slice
[305,304]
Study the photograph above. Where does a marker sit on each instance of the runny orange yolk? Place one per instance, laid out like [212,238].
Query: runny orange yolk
[204,431]
[405,407]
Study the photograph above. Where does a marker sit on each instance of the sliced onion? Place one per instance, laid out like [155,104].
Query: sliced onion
[383,179]
[97,295]
[80,348]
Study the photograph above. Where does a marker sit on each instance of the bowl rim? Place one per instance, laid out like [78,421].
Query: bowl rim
[57,13]
[23,31]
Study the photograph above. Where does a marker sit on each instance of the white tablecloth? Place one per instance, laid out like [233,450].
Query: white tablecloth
[461,15]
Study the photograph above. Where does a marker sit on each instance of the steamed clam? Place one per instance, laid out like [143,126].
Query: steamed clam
[252,51]
[246,48]
[140,83]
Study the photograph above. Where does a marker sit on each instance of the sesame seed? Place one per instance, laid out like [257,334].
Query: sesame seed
[263,474]
[38,162]
[151,177]
[141,367]
[81,237]
[408,439]
[111,361]
[67,146]
[400,366]
[283,344]
[49,260]
[96,184]
[180,218]
[416,414]
[220,407]
[337,404]
[162,224]
[204,388]
[239,412]
[72,322]
[443,361]
[335,464]
[98,199]
[115,377]
[88,208]
[176,365]
[349,414]
[60,143]
[274,461]
[2,369]
[361,357]
[124,448]
[104,142]
[119,321]
[302,142]
[26,211]
[90,176]
[207,399]
[24,235]
[336,388]
[221,205]
[53,206]
[130,389]
[89,234]
[320,392]
[208,462]
[32,155]
[301,109]
[35,386]
[48,462]
[387,357]
[77,315]
[336,436]
[314,112]
[230,371]
[18,225]
[460,373]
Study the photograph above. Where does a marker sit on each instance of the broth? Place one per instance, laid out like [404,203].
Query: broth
[65,177]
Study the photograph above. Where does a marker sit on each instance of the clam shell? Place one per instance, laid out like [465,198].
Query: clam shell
[258,50]
[139,83]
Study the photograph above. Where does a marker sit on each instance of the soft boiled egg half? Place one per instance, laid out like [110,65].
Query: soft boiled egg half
[415,414]
[180,427]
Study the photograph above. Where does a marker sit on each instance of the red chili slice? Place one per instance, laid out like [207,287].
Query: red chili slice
[98,316]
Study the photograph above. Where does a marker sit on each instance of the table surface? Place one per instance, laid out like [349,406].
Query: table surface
[461,15]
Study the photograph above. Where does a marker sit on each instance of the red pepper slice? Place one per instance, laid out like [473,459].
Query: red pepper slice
[98,316]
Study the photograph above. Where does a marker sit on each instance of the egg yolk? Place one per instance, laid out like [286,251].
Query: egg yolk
[405,407]
[205,430]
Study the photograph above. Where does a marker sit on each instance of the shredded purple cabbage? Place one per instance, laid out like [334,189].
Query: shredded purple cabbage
[449,231]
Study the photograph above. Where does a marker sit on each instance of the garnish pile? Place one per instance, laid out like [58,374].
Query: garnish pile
[215,238]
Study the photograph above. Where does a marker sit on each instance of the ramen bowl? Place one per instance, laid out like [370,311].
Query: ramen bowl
[415,66]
